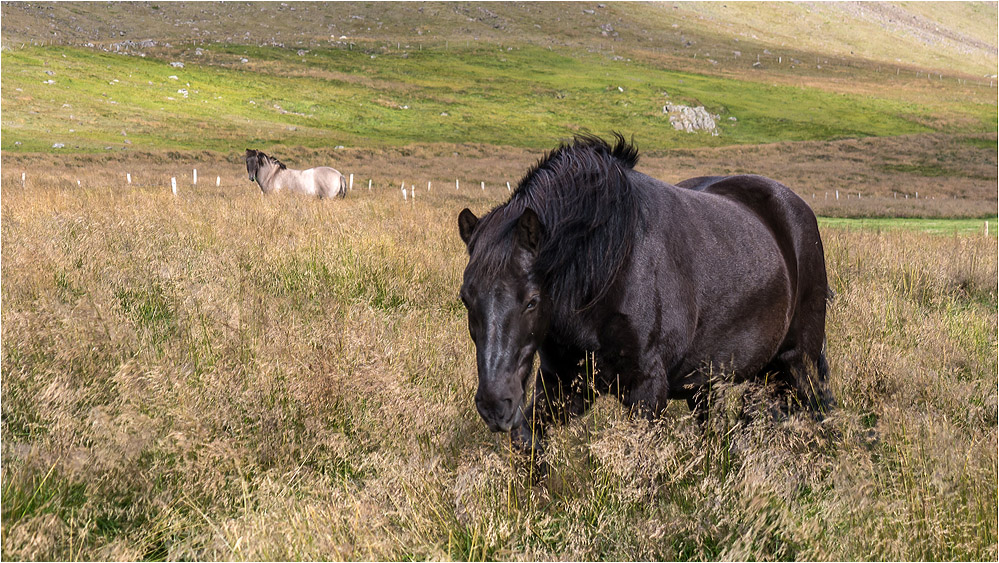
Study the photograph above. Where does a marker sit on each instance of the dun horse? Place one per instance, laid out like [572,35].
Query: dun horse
[273,176]
[664,284]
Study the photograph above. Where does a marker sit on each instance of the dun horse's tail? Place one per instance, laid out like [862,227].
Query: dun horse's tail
[343,187]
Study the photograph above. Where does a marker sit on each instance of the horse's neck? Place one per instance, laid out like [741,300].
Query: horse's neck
[268,174]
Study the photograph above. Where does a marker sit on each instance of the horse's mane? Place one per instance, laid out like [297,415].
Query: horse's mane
[590,212]
[272,159]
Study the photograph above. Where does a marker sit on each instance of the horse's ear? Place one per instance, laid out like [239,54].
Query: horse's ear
[466,224]
[529,230]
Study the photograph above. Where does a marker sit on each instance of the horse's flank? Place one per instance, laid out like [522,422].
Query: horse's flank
[273,176]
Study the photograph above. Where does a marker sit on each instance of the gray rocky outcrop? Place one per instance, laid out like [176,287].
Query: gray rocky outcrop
[691,119]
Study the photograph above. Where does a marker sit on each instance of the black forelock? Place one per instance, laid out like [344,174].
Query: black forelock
[589,211]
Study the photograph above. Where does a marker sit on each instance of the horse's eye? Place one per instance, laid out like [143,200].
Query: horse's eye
[533,303]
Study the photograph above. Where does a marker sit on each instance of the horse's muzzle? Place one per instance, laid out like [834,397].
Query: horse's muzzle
[502,409]
[499,415]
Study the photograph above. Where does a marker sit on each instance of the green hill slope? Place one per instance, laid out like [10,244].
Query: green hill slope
[218,76]
[951,36]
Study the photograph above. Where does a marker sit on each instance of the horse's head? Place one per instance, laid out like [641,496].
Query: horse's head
[252,163]
[508,312]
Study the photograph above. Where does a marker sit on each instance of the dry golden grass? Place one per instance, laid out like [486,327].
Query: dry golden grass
[223,375]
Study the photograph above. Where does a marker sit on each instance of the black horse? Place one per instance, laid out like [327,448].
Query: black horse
[664,284]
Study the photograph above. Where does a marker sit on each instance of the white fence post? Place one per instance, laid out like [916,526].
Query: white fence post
[369,184]
[128,177]
[508,187]
[218,181]
[483,186]
[456,184]
[351,185]
[403,187]
[195,182]
[173,185]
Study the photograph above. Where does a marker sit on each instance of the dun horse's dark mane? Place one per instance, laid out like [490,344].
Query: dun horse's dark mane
[274,160]
[590,212]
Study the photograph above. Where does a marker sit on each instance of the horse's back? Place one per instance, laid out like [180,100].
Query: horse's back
[769,199]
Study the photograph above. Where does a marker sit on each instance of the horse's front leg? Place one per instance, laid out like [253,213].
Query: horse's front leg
[559,394]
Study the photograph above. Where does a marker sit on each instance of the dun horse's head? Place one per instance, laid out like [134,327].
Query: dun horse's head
[508,312]
[252,163]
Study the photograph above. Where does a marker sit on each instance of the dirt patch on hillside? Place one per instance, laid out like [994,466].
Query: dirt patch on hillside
[910,175]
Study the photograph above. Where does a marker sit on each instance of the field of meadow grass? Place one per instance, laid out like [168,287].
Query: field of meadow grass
[219,375]
[222,375]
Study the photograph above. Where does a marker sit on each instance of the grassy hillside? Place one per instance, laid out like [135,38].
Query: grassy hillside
[503,74]
[520,96]
[945,36]
[958,38]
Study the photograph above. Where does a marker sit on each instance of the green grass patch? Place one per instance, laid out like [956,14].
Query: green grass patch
[931,226]
[981,142]
[927,170]
[520,96]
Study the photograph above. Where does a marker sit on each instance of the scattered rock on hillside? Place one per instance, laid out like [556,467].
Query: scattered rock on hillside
[129,44]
